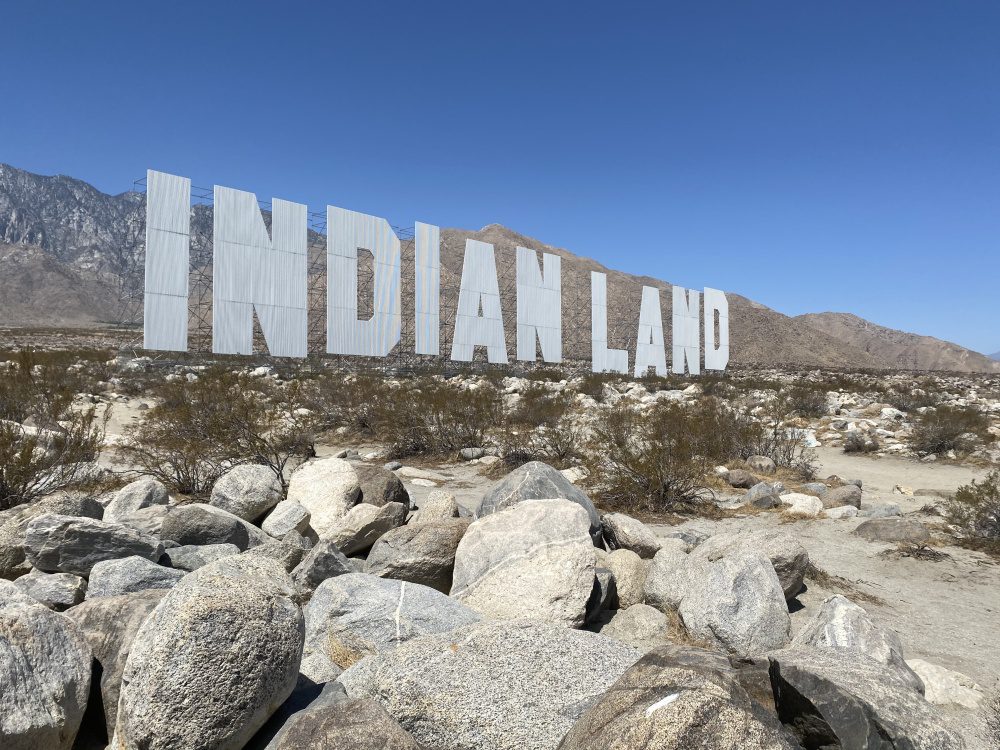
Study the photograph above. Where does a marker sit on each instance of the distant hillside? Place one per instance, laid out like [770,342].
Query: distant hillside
[68,251]
[898,348]
[996,356]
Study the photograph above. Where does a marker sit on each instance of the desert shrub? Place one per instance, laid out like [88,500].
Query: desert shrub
[768,435]
[946,428]
[46,444]
[910,399]
[806,399]
[592,384]
[545,374]
[202,428]
[975,509]
[538,428]
[859,442]
[654,458]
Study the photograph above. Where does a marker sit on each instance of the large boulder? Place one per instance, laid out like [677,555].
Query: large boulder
[44,674]
[14,524]
[893,530]
[533,559]
[70,544]
[437,506]
[666,578]
[762,464]
[943,687]
[841,625]
[109,624]
[830,701]
[142,493]
[629,571]
[380,486]
[353,724]
[492,686]
[128,575]
[676,698]
[327,488]
[287,516]
[200,523]
[848,494]
[194,556]
[787,555]
[354,615]
[423,553]
[321,562]
[247,491]
[625,532]
[358,529]
[737,604]
[56,591]
[218,655]
[537,481]
[640,626]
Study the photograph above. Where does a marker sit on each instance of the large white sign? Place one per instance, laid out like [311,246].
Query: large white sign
[266,274]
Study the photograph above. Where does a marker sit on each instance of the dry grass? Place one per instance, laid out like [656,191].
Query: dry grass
[915,551]
[839,585]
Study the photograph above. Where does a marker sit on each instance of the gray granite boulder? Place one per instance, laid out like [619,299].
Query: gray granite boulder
[44,674]
[109,624]
[676,698]
[193,556]
[533,559]
[70,544]
[357,530]
[787,555]
[128,575]
[737,604]
[848,494]
[14,524]
[423,553]
[56,591]
[629,571]
[741,479]
[287,516]
[537,481]
[354,615]
[625,532]
[247,491]
[829,701]
[491,686]
[380,486]
[142,493]
[217,656]
[437,506]
[327,488]
[199,523]
[841,625]
[666,578]
[640,626]
[321,562]
[352,724]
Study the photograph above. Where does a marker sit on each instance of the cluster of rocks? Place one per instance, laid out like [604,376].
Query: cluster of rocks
[338,615]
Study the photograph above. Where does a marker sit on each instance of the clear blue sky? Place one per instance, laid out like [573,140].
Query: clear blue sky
[812,156]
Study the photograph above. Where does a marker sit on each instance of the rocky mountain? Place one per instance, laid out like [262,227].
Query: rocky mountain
[897,348]
[71,255]
[996,356]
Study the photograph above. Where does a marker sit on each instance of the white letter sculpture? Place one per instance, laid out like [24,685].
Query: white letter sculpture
[168,243]
[539,306]
[347,232]
[716,353]
[427,288]
[256,273]
[602,358]
[479,290]
[649,348]
[686,331]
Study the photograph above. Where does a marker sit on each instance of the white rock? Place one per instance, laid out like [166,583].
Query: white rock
[327,488]
[943,686]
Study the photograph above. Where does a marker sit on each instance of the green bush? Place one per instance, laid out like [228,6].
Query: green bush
[975,509]
[201,429]
[946,428]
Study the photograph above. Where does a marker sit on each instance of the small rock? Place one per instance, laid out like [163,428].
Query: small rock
[193,556]
[351,724]
[625,532]
[323,561]
[881,510]
[380,487]
[893,530]
[640,626]
[327,488]
[363,524]
[802,505]
[901,490]
[786,554]
[761,464]
[437,506]
[742,479]
[142,493]
[471,454]
[392,466]
[841,513]
[666,579]
[943,687]
[629,571]
[203,524]
[849,494]
[421,553]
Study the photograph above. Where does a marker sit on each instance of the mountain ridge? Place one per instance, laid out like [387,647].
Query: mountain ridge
[69,253]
